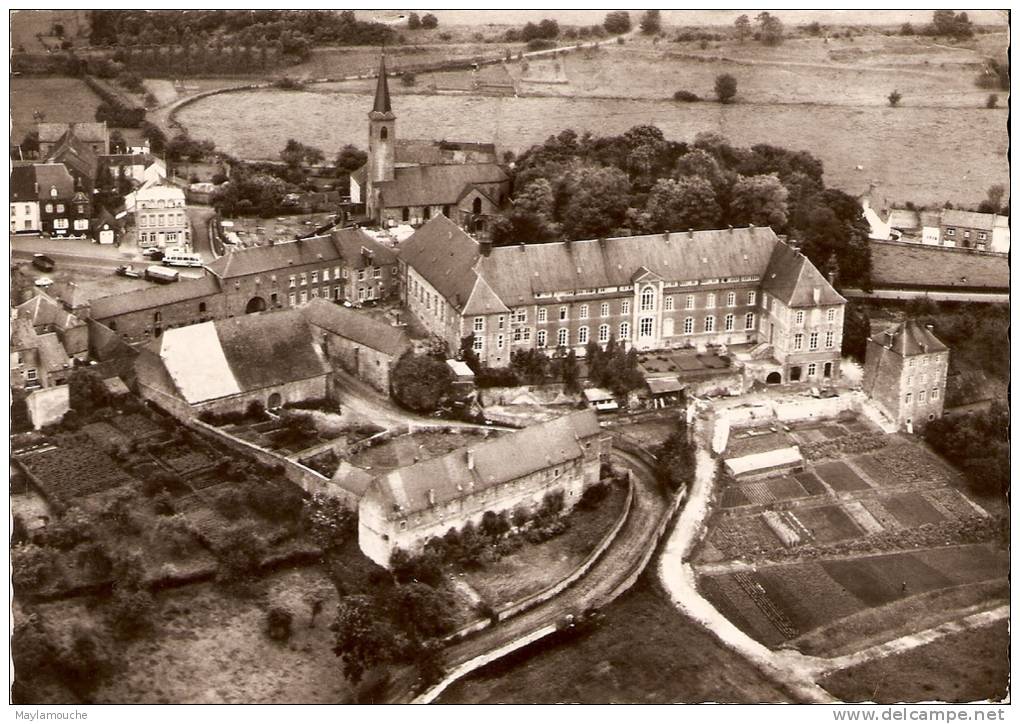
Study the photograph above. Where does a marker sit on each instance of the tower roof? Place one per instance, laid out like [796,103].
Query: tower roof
[382,91]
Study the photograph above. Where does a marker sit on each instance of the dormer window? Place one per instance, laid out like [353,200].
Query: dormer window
[53,192]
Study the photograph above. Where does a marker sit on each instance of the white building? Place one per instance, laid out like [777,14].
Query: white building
[161,216]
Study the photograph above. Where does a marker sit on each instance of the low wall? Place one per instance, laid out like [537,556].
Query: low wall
[48,404]
[809,408]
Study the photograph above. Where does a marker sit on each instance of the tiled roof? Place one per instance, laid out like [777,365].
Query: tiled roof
[356,326]
[154,296]
[437,183]
[483,300]
[895,264]
[351,241]
[968,219]
[89,132]
[450,477]
[42,310]
[50,175]
[793,279]
[382,90]
[75,153]
[909,338]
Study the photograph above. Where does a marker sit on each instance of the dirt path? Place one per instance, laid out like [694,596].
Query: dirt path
[603,582]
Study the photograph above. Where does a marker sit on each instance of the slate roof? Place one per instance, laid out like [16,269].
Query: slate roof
[793,279]
[42,311]
[49,175]
[155,296]
[910,338]
[894,264]
[23,183]
[904,219]
[350,242]
[968,219]
[449,477]
[356,326]
[52,355]
[213,360]
[436,184]
[382,90]
[77,154]
[343,243]
[442,253]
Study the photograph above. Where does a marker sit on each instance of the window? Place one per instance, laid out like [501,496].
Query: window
[624,330]
[28,210]
[709,324]
[800,317]
[920,396]
[31,374]
[81,224]
[812,369]
[729,323]
[302,278]
[731,299]
[909,398]
[384,133]
[336,272]
[157,318]
[49,208]
[499,341]
[582,335]
[749,320]
[830,316]
[710,301]
[563,314]
[772,306]
[542,315]
[361,275]
[604,309]
[540,338]
[645,328]
[377,272]
[950,232]
[60,208]
[53,192]
[501,322]
[689,325]
[934,393]
[798,342]
[625,306]
[583,312]
[813,341]
[291,298]
[478,344]
[60,223]
[668,304]
[315,291]
[303,296]
[479,324]
[315,277]
[830,340]
[603,333]
[562,337]
[647,299]
[689,301]
[520,315]
[982,236]
[201,307]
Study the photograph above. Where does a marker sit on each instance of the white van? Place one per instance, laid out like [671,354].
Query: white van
[173,257]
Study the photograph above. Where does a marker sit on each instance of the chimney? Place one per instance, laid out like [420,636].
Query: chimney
[930,327]
[471,459]
[521,246]
[432,496]
[484,247]
[832,278]
[889,337]
[730,227]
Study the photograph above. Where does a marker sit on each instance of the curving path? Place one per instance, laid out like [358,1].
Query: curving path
[606,579]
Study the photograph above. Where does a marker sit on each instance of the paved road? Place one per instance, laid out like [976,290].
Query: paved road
[596,588]
[200,217]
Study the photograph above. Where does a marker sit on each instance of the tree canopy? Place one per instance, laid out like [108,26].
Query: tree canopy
[420,382]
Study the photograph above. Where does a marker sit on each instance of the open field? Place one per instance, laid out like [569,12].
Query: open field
[644,652]
[968,666]
[62,100]
[409,449]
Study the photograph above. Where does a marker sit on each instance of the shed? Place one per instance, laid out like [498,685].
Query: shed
[601,399]
[665,391]
[786,458]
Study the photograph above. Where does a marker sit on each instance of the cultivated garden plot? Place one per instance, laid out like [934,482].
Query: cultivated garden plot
[75,468]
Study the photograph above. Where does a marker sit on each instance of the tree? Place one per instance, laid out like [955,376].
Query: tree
[296,154]
[350,159]
[770,28]
[531,218]
[413,21]
[548,29]
[651,22]
[894,98]
[688,203]
[833,229]
[597,205]
[742,26]
[725,87]
[949,24]
[279,622]
[676,460]
[906,29]
[117,142]
[429,21]
[992,101]
[30,144]
[570,372]
[363,641]
[856,331]
[155,136]
[422,611]
[130,613]
[86,391]
[240,553]
[420,382]
[617,23]
[759,200]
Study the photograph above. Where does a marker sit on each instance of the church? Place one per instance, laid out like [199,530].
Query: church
[410,182]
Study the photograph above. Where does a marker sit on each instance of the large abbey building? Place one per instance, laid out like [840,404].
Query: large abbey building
[411,182]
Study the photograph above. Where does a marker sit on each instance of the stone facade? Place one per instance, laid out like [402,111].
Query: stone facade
[905,374]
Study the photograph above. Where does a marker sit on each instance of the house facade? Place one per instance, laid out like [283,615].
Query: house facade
[24,200]
[514,473]
[63,210]
[161,217]
[692,289]
[905,372]
[397,190]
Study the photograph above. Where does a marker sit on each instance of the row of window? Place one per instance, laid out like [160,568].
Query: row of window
[303,296]
[830,316]
[147,237]
[303,278]
[145,220]
[982,235]
[921,396]
[798,341]
[161,204]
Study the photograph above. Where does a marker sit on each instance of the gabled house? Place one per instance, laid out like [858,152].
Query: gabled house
[24,200]
[95,134]
[79,158]
[63,210]
[905,372]
[48,316]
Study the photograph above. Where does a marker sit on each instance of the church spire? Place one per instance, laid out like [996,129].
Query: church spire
[382,90]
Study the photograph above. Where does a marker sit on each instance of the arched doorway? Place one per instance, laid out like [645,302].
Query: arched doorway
[827,370]
[275,401]
[255,304]
[774,378]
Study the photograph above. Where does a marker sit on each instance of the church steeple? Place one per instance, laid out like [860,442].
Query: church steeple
[382,92]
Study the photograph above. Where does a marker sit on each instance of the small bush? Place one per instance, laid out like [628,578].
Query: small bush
[540,44]
[73,527]
[894,98]
[163,504]
[992,101]
[131,613]
[686,96]
[31,567]
[594,495]
[175,534]
[230,503]
[279,623]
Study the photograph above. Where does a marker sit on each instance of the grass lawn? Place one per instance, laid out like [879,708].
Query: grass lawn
[63,100]
[535,567]
[409,449]
[741,444]
[644,652]
[967,666]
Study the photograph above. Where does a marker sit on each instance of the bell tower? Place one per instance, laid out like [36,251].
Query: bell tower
[382,132]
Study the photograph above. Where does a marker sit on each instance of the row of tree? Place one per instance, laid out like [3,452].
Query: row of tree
[586,187]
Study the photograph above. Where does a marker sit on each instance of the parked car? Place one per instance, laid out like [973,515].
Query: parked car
[43,262]
[153,253]
[43,282]
[126,270]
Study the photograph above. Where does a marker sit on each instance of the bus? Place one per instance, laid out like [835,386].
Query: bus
[161,274]
[172,257]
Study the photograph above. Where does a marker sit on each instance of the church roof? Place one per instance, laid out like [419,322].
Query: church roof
[469,470]
[436,184]
[382,91]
